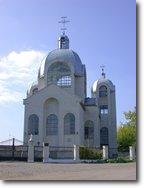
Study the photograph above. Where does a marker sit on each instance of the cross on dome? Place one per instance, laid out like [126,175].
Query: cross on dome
[103,73]
[63,22]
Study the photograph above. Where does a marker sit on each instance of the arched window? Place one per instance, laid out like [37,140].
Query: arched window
[103,91]
[104,136]
[35,90]
[89,130]
[59,73]
[33,124]
[52,125]
[69,124]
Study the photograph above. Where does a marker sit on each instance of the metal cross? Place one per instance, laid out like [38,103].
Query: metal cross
[63,22]
[102,67]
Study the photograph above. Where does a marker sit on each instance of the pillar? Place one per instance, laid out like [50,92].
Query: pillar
[30,150]
[76,152]
[45,152]
[131,153]
[105,152]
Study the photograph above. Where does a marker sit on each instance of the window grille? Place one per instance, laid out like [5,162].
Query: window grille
[59,73]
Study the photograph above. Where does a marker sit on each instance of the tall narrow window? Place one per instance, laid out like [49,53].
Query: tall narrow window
[104,136]
[103,91]
[60,74]
[52,125]
[69,124]
[33,124]
[89,130]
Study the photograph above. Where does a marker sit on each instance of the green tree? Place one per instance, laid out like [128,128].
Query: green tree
[130,118]
[126,134]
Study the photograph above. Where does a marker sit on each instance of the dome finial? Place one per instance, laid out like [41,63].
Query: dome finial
[63,22]
[103,73]
[63,42]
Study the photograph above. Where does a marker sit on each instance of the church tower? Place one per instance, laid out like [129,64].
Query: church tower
[104,90]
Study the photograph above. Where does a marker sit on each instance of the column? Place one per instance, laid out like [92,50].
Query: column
[76,152]
[131,153]
[105,152]
[45,152]
[30,150]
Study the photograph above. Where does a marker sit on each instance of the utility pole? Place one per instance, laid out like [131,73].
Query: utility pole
[13,147]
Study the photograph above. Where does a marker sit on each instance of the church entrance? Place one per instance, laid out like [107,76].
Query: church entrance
[104,136]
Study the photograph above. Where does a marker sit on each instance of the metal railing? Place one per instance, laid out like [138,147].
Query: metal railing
[13,152]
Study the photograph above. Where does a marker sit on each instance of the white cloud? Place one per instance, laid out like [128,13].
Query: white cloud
[17,71]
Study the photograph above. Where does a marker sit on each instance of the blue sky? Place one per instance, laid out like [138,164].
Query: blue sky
[102,32]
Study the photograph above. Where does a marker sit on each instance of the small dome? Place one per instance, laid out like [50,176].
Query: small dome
[33,86]
[102,81]
[62,55]
[41,69]
[63,37]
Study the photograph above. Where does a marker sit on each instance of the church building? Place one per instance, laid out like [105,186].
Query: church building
[57,109]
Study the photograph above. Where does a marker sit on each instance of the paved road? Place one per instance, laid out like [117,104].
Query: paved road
[40,171]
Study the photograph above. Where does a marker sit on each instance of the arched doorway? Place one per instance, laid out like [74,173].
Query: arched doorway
[103,136]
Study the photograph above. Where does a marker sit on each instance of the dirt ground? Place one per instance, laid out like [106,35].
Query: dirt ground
[47,171]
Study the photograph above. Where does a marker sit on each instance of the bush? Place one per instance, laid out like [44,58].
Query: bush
[97,161]
[118,160]
[90,153]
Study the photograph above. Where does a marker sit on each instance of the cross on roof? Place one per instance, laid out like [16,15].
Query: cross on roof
[63,22]
[103,73]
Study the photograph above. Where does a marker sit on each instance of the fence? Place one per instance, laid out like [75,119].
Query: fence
[61,152]
[38,153]
[13,152]
[54,153]
[20,153]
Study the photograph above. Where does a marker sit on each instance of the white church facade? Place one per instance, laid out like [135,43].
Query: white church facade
[57,109]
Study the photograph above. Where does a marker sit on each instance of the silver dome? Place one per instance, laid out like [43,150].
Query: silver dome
[101,81]
[62,55]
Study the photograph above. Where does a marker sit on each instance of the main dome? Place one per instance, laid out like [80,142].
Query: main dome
[62,55]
